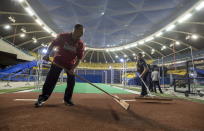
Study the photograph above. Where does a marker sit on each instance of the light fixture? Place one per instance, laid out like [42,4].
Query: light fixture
[7,27]
[12,19]
[159,34]
[171,27]
[55,49]
[153,50]
[29,11]
[34,40]
[22,35]
[149,39]
[200,6]
[194,37]
[54,35]
[184,18]
[177,43]
[116,56]
[121,60]
[23,30]
[44,51]
[125,56]
[163,47]
[46,29]
[20,1]
[141,42]
[133,54]
[39,22]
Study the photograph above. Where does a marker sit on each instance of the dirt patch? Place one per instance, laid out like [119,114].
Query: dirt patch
[98,112]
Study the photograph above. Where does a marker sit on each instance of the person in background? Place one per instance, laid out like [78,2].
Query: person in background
[155,80]
[142,68]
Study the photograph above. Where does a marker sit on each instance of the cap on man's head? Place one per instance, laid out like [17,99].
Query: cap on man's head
[77,26]
[139,54]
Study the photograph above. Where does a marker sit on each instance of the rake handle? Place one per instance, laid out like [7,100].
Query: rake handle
[86,81]
[96,86]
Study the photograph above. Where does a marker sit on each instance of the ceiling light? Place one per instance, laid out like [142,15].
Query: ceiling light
[149,39]
[46,29]
[125,56]
[184,18]
[121,60]
[177,43]
[169,28]
[112,49]
[163,47]
[158,34]
[44,51]
[22,35]
[141,42]
[54,35]
[34,40]
[116,56]
[29,11]
[23,30]
[55,49]
[12,19]
[126,47]
[134,54]
[194,36]
[20,1]
[200,6]
[39,22]
[7,27]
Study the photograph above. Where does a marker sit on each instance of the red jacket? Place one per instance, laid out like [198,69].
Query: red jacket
[67,50]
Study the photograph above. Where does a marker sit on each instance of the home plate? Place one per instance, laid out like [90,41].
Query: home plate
[130,100]
[25,99]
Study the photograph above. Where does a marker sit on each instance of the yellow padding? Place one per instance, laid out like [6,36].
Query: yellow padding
[129,75]
[105,66]
[177,72]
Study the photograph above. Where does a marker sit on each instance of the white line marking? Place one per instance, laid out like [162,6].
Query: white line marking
[131,91]
[130,100]
[25,99]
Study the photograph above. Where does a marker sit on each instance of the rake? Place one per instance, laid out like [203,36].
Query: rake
[120,101]
[151,96]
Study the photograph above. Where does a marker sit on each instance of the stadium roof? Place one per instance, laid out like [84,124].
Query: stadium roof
[114,28]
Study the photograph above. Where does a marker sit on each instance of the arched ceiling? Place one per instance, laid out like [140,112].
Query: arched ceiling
[108,23]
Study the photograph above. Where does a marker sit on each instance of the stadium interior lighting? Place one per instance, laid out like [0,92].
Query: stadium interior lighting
[22,35]
[7,27]
[29,11]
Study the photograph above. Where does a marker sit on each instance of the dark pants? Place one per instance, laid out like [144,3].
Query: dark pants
[149,82]
[51,80]
[144,89]
[155,84]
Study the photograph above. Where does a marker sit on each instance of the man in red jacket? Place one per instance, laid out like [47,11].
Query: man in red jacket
[69,52]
